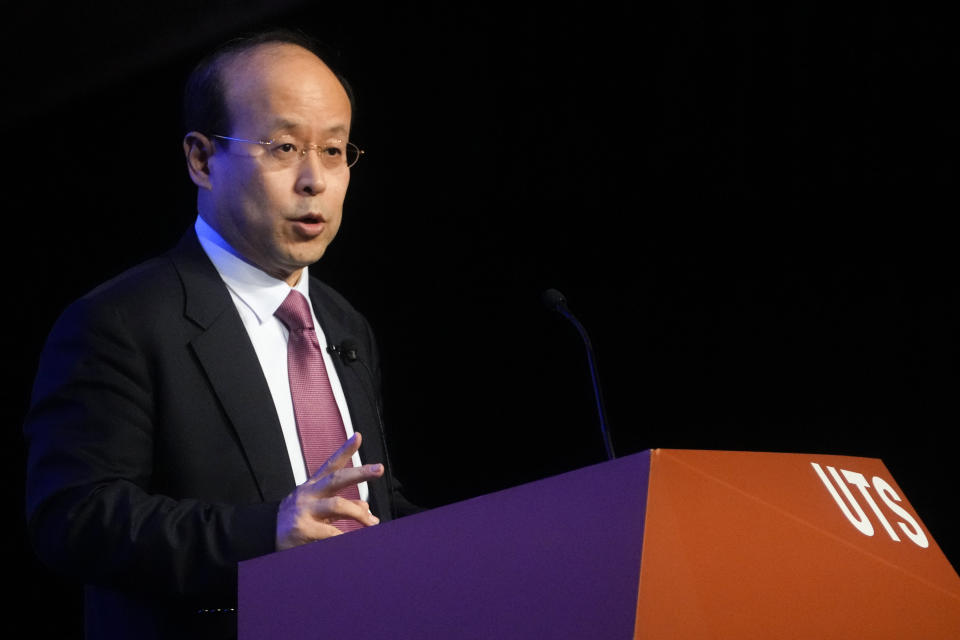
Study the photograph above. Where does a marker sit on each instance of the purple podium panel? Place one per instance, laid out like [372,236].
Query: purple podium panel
[555,558]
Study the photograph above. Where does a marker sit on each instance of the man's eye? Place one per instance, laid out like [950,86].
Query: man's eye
[333,151]
[287,147]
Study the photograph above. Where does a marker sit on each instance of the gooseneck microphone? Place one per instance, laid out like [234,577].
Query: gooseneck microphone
[348,354]
[555,301]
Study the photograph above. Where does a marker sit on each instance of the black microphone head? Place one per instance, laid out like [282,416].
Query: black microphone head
[348,349]
[553,300]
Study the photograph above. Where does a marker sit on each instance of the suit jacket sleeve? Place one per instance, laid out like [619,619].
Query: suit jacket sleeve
[97,505]
[155,458]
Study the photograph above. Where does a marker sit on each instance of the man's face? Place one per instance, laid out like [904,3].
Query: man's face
[279,219]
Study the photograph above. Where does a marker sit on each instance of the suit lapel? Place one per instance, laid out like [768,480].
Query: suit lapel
[226,355]
[359,391]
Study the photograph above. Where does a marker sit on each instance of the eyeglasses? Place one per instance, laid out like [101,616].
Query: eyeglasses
[282,154]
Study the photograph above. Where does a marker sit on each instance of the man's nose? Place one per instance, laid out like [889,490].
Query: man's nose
[312,177]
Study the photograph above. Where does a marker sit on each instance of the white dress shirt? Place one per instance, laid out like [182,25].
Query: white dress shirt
[256,296]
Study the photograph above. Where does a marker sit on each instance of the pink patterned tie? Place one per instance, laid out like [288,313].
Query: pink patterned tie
[319,423]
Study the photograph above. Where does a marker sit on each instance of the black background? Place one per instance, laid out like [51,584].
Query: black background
[749,208]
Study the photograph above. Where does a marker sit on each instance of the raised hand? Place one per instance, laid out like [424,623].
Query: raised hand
[307,514]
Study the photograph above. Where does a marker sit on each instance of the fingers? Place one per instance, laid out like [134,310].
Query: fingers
[308,513]
[339,508]
[308,531]
[332,483]
[300,522]
[335,474]
[341,456]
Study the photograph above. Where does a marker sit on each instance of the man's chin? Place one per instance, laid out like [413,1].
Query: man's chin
[299,260]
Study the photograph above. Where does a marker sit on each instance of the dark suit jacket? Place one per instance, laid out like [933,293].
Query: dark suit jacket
[156,460]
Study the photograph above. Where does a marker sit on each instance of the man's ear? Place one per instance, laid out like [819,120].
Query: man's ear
[198,148]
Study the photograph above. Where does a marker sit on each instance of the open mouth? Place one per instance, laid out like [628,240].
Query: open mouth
[309,225]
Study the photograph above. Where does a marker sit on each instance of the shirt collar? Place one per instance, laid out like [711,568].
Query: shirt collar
[260,292]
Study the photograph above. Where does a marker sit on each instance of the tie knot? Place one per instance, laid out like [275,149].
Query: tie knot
[294,313]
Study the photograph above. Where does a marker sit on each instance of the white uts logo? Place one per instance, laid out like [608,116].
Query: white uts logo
[858,518]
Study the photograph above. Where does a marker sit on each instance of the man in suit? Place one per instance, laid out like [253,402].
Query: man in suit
[163,434]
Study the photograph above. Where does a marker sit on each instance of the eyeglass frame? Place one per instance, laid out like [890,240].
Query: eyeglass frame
[303,152]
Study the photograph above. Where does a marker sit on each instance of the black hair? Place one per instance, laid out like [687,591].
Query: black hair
[204,104]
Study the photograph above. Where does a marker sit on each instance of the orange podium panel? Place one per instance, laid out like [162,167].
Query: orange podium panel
[777,545]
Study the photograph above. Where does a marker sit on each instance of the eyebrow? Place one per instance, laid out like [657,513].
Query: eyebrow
[289,125]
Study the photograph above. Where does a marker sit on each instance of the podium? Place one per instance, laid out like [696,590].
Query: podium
[661,544]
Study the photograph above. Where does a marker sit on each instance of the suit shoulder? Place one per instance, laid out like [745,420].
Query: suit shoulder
[140,289]
[330,297]
[154,278]
[144,294]
[336,307]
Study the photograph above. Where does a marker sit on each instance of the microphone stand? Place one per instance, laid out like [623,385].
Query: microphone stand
[556,301]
